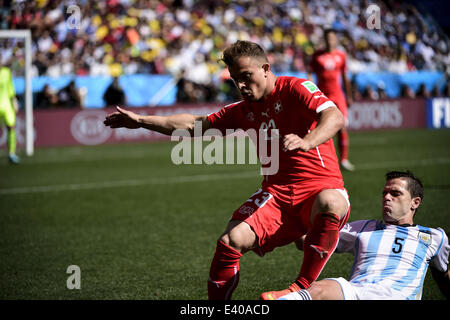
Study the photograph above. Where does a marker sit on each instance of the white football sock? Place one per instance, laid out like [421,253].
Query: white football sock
[299,295]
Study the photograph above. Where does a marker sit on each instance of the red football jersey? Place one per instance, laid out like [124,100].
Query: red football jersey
[328,67]
[292,107]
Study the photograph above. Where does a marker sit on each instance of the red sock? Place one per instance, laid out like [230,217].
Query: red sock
[224,272]
[343,141]
[319,245]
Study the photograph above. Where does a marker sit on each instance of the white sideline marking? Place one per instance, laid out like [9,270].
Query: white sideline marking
[391,164]
[200,178]
[129,183]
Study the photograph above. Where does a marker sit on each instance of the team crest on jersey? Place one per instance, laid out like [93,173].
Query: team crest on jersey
[250,116]
[310,86]
[246,210]
[277,107]
[425,237]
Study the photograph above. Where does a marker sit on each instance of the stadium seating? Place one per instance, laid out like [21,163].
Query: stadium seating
[125,38]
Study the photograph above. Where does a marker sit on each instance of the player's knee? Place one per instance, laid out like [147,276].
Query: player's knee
[233,240]
[225,238]
[239,238]
[318,290]
[327,289]
[331,201]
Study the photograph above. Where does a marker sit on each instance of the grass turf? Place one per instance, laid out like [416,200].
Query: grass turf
[140,227]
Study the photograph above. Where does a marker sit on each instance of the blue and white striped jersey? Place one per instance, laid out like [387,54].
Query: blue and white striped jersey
[394,256]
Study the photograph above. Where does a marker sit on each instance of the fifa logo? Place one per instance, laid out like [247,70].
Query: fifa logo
[373,17]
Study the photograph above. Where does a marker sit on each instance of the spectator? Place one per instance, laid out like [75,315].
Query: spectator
[380,91]
[370,93]
[187,93]
[436,91]
[172,35]
[423,92]
[46,98]
[69,96]
[114,94]
[407,92]
[446,92]
[126,37]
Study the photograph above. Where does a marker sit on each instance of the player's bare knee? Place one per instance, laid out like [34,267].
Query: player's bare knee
[316,291]
[225,238]
[239,237]
[233,240]
[331,201]
[240,240]
[320,290]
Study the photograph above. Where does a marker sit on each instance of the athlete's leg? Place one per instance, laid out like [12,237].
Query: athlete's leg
[239,236]
[319,290]
[344,146]
[255,225]
[343,136]
[11,140]
[237,239]
[9,116]
[328,214]
[343,142]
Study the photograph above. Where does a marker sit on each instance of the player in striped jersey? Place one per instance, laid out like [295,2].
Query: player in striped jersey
[391,256]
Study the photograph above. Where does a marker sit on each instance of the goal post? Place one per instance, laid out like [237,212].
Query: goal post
[29,129]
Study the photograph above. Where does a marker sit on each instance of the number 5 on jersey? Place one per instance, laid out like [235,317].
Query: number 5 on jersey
[398,245]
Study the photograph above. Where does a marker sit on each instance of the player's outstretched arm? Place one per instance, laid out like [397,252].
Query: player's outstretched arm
[163,124]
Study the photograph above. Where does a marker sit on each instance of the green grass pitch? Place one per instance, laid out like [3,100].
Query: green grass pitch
[140,227]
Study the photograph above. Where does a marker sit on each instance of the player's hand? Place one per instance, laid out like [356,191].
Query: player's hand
[122,119]
[292,142]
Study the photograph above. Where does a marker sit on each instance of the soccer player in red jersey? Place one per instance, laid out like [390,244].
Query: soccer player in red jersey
[330,68]
[306,196]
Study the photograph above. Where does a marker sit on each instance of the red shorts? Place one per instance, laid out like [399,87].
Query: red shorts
[280,214]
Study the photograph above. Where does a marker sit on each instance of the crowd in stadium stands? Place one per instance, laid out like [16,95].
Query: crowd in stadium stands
[185,38]
[69,97]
